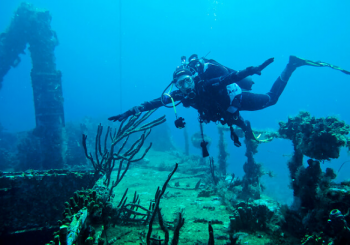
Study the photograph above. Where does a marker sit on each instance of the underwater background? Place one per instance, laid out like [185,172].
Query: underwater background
[155,34]
[117,54]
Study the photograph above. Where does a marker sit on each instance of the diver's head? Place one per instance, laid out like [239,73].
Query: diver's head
[185,83]
[183,80]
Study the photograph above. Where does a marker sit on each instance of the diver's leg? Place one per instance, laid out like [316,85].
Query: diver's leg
[253,102]
[278,87]
[293,63]
[282,80]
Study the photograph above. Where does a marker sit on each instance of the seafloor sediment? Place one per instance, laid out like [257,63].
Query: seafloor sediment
[198,211]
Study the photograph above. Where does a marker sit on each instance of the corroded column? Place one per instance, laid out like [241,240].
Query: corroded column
[32,26]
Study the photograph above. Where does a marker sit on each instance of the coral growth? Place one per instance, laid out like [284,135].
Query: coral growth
[310,183]
[261,215]
[253,171]
[318,138]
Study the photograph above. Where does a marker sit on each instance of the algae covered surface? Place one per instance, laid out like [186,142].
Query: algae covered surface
[198,211]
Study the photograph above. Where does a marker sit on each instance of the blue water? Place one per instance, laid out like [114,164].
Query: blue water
[155,34]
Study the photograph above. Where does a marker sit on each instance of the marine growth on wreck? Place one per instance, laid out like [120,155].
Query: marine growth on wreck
[71,173]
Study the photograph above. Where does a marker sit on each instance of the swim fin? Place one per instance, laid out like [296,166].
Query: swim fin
[296,61]
[249,134]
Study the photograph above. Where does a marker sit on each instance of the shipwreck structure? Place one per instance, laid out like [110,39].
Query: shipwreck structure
[32,26]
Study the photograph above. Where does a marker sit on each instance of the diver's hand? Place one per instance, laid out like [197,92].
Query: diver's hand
[120,117]
[132,111]
[265,64]
[249,71]
[256,70]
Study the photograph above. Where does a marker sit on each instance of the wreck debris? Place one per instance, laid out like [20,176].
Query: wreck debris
[33,26]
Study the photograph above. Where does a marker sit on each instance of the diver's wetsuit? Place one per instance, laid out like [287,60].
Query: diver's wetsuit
[212,98]
[220,92]
[249,101]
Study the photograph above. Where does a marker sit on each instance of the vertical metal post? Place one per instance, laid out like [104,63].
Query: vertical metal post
[33,26]
[120,57]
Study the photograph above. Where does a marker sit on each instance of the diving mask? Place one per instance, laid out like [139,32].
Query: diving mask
[185,83]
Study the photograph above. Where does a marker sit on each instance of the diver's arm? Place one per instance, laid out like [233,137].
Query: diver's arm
[156,103]
[236,76]
[146,106]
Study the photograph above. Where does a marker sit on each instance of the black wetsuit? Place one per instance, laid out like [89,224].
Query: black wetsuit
[212,95]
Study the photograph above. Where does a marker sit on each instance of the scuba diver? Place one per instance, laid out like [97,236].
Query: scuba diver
[219,93]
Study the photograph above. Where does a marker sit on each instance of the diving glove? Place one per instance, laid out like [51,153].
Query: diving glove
[252,70]
[121,117]
[257,69]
